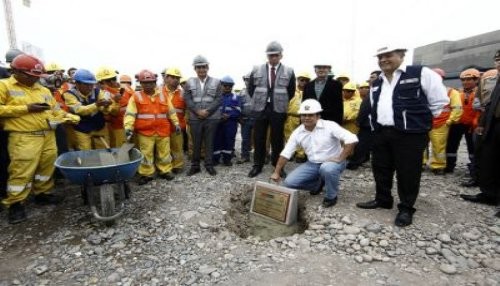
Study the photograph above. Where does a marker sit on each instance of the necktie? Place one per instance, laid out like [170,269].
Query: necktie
[273,76]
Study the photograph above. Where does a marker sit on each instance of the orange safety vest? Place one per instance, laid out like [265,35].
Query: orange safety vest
[469,114]
[441,119]
[116,121]
[60,100]
[152,117]
[180,106]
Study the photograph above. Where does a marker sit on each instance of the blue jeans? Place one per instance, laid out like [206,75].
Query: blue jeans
[308,176]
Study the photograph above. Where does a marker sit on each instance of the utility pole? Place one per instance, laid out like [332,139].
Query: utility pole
[9,23]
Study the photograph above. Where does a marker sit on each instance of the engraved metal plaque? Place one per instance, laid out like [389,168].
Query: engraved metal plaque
[275,202]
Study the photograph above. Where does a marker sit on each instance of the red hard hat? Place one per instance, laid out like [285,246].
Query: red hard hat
[29,65]
[440,72]
[146,76]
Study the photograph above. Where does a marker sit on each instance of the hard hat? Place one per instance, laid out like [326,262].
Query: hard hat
[310,106]
[200,60]
[389,49]
[274,48]
[28,64]
[11,54]
[125,78]
[247,76]
[84,76]
[183,80]
[173,72]
[104,73]
[227,80]
[470,73]
[364,84]
[440,72]
[350,86]
[343,75]
[304,75]
[146,76]
[52,67]
[490,73]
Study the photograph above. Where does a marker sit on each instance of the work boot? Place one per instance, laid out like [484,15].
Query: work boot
[177,170]
[329,202]
[256,170]
[144,180]
[243,160]
[193,170]
[16,213]
[167,176]
[374,204]
[211,170]
[481,198]
[47,199]
[438,172]
[404,218]
[228,163]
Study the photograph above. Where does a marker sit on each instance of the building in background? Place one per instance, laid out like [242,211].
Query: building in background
[455,56]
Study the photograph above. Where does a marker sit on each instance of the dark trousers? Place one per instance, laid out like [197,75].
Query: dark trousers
[203,130]
[224,140]
[363,148]
[489,163]
[401,152]
[247,125]
[277,123]
[4,163]
[454,137]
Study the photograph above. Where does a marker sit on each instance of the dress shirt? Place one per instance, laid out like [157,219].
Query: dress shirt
[431,83]
[321,144]
[202,83]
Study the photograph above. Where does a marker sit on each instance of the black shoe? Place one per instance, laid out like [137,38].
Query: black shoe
[193,170]
[211,171]
[438,172]
[177,170]
[404,218]
[480,198]
[497,214]
[300,160]
[374,205]
[167,176]
[351,166]
[448,170]
[243,160]
[255,171]
[329,202]
[228,163]
[17,213]
[470,183]
[47,199]
[144,180]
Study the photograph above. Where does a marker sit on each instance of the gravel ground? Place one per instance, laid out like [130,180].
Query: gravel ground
[177,233]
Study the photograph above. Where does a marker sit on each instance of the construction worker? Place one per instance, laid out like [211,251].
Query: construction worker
[91,105]
[225,135]
[343,78]
[470,79]
[173,91]
[352,103]
[247,121]
[440,126]
[29,113]
[125,81]
[149,115]
[293,117]
[203,99]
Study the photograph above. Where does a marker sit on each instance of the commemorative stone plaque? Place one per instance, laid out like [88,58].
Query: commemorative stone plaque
[275,202]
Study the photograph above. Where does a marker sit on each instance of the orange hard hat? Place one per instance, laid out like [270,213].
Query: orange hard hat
[28,64]
[490,73]
[125,78]
[470,73]
[440,72]
[146,76]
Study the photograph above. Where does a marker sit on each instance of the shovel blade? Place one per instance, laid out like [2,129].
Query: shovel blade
[123,153]
[106,159]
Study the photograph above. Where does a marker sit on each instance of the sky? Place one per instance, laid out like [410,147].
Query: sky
[134,35]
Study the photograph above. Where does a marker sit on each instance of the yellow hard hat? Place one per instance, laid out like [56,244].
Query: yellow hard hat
[104,73]
[349,86]
[343,75]
[173,72]
[52,67]
[364,84]
[304,75]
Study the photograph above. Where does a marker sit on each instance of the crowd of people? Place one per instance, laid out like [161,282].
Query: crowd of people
[327,124]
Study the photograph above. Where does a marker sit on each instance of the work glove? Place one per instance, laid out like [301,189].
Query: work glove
[128,134]
[178,129]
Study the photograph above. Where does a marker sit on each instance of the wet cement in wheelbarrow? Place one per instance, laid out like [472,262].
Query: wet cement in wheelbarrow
[95,160]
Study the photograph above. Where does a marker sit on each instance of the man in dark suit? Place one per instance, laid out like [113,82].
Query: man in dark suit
[328,92]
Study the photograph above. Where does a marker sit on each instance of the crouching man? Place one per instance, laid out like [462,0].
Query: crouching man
[321,140]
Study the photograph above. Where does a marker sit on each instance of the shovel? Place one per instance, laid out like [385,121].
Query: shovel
[106,158]
[122,156]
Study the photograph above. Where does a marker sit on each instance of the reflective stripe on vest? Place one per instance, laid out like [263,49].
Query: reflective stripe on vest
[151,116]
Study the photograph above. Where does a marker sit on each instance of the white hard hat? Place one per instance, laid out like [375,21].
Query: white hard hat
[310,106]
[388,49]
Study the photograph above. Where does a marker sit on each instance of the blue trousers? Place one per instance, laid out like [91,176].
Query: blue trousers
[308,176]
[225,137]
[246,136]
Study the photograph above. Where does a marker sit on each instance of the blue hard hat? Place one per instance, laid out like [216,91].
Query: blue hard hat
[227,80]
[84,76]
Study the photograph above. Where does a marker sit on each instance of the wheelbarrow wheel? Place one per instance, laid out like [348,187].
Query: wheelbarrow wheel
[108,202]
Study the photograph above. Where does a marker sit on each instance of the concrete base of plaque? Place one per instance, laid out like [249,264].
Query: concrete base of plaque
[275,203]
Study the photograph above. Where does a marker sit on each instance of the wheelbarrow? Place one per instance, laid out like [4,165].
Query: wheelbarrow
[102,181]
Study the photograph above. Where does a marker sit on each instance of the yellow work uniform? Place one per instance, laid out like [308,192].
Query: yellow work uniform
[351,110]
[176,139]
[156,148]
[90,140]
[293,120]
[439,134]
[32,145]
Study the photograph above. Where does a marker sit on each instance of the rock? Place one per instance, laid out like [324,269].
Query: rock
[364,242]
[203,225]
[493,263]
[471,263]
[346,220]
[187,216]
[205,269]
[318,239]
[383,243]
[495,229]
[367,258]
[358,258]
[444,238]
[448,255]
[316,226]
[448,269]
[374,227]
[473,235]
[39,270]
[113,278]
[421,243]
[352,230]
[94,239]
[215,274]
[431,251]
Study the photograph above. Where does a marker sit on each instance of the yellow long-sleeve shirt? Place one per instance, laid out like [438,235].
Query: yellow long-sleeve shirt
[351,110]
[14,100]
[455,107]
[76,107]
[131,113]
